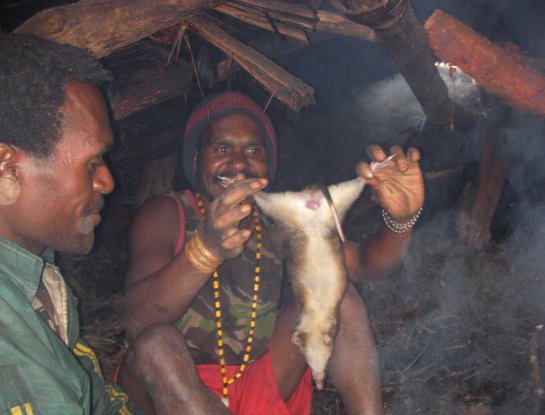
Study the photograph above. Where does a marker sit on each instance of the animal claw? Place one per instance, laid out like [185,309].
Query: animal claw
[326,338]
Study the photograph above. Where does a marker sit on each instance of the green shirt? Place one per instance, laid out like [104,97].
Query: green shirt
[39,372]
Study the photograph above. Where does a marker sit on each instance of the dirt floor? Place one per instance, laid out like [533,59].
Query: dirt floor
[459,330]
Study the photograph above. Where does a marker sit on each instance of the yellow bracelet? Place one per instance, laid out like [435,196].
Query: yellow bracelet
[199,256]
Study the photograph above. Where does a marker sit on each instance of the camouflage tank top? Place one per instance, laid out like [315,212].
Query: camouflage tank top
[236,278]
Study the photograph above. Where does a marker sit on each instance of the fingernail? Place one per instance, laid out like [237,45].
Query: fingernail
[258,183]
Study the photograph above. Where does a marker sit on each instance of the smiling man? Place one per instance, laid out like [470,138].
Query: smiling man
[54,131]
[210,263]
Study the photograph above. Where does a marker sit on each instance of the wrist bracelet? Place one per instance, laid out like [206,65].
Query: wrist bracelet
[199,256]
[400,227]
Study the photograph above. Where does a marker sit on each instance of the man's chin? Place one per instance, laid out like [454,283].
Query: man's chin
[81,245]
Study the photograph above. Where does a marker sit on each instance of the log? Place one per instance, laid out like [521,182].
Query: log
[281,84]
[496,70]
[105,26]
[406,41]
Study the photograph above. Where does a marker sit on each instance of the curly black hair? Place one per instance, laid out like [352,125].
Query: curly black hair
[33,76]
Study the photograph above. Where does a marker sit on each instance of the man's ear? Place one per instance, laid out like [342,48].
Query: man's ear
[10,188]
[7,158]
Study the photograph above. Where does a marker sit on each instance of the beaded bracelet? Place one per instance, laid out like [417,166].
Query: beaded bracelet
[400,227]
[199,256]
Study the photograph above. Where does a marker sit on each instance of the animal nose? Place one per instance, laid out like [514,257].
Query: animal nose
[319,379]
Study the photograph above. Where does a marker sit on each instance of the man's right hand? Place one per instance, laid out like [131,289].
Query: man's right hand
[221,233]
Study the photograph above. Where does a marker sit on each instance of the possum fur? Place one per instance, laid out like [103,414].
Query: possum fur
[315,262]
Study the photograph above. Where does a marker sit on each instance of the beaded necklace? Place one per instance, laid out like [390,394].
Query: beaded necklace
[218,313]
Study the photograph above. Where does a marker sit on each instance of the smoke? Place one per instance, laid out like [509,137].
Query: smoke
[390,109]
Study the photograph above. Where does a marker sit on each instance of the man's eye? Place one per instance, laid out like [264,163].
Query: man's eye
[97,161]
[254,150]
[222,149]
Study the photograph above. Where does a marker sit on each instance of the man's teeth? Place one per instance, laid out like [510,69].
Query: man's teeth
[225,181]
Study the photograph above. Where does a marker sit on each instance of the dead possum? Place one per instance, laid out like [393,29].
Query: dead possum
[315,262]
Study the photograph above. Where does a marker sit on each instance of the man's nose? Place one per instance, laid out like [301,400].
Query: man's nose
[238,160]
[103,181]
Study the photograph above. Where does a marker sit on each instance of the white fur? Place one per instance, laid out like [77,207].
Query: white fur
[318,274]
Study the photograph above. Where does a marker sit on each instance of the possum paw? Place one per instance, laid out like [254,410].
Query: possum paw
[295,339]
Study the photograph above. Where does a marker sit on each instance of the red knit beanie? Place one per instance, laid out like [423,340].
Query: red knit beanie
[219,106]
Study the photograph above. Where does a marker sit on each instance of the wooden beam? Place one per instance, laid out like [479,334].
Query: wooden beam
[496,70]
[301,10]
[105,26]
[330,22]
[255,18]
[281,84]
[294,19]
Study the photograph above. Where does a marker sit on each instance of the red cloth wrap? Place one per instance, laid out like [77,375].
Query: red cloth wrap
[255,392]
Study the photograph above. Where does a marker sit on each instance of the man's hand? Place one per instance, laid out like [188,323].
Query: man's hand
[398,185]
[221,233]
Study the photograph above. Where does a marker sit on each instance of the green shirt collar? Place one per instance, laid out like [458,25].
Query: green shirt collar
[22,267]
